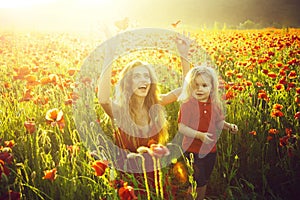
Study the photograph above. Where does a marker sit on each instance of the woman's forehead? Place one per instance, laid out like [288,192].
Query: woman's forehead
[140,70]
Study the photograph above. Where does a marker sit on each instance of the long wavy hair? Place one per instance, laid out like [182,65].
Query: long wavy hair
[125,101]
[190,81]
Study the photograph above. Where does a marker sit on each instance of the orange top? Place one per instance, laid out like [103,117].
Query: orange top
[126,141]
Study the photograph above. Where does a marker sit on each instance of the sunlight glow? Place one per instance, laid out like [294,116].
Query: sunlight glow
[22,3]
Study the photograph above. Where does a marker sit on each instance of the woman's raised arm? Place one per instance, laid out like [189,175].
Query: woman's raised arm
[104,82]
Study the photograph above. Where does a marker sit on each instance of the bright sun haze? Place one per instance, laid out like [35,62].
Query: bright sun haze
[22,3]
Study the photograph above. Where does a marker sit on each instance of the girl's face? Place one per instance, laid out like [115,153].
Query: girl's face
[141,81]
[201,88]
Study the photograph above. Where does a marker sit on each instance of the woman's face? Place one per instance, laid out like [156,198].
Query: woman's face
[141,81]
[202,87]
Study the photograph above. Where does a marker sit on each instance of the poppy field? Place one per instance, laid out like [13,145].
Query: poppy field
[42,155]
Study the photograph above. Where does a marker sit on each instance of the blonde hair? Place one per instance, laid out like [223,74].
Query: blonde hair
[124,98]
[189,82]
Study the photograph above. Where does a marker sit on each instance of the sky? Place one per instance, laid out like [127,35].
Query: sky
[89,15]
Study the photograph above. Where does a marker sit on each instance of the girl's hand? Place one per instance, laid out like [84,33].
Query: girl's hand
[233,128]
[205,137]
[183,44]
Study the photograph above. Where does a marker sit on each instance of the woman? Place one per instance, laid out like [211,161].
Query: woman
[137,107]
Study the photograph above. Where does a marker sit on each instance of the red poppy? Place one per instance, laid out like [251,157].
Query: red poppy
[3,169]
[45,80]
[30,126]
[291,85]
[269,138]
[86,80]
[252,133]
[27,96]
[292,74]
[293,61]
[248,83]
[31,78]
[283,81]
[263,95]
[297,100]
[41,100]
[68,101]
[259,84]
[279,64]
[229,95]
[74,96]
[6,156]
[273,131]
[126,192]
[72,71]
[265,71]
[276,113]
[288,131]
[9,143]
[99,167]
[272,75]
[277,106]
[7,85]
[298,90]
[297,115]
[270,53]
[50,174]
[282,72]
[159,150]
[229,73]
[279,87]
[55,116]
[262,60]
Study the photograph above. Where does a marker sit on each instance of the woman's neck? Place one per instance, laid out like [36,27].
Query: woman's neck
[138,102]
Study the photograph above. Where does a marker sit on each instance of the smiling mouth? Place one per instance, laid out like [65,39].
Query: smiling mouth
[143,87]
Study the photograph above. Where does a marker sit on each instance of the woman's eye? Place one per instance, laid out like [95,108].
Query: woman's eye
[147,76]
[136,76]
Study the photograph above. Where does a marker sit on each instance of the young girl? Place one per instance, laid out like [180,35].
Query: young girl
[200,120]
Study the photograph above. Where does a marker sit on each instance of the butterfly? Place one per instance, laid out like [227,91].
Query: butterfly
[122,24]
[175,23]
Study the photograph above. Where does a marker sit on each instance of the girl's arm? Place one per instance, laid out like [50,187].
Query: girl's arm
[170,97]
[189,132]
[183,45]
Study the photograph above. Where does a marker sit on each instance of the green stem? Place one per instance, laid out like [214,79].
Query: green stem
[145,177]
[160,179]
[155,176]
